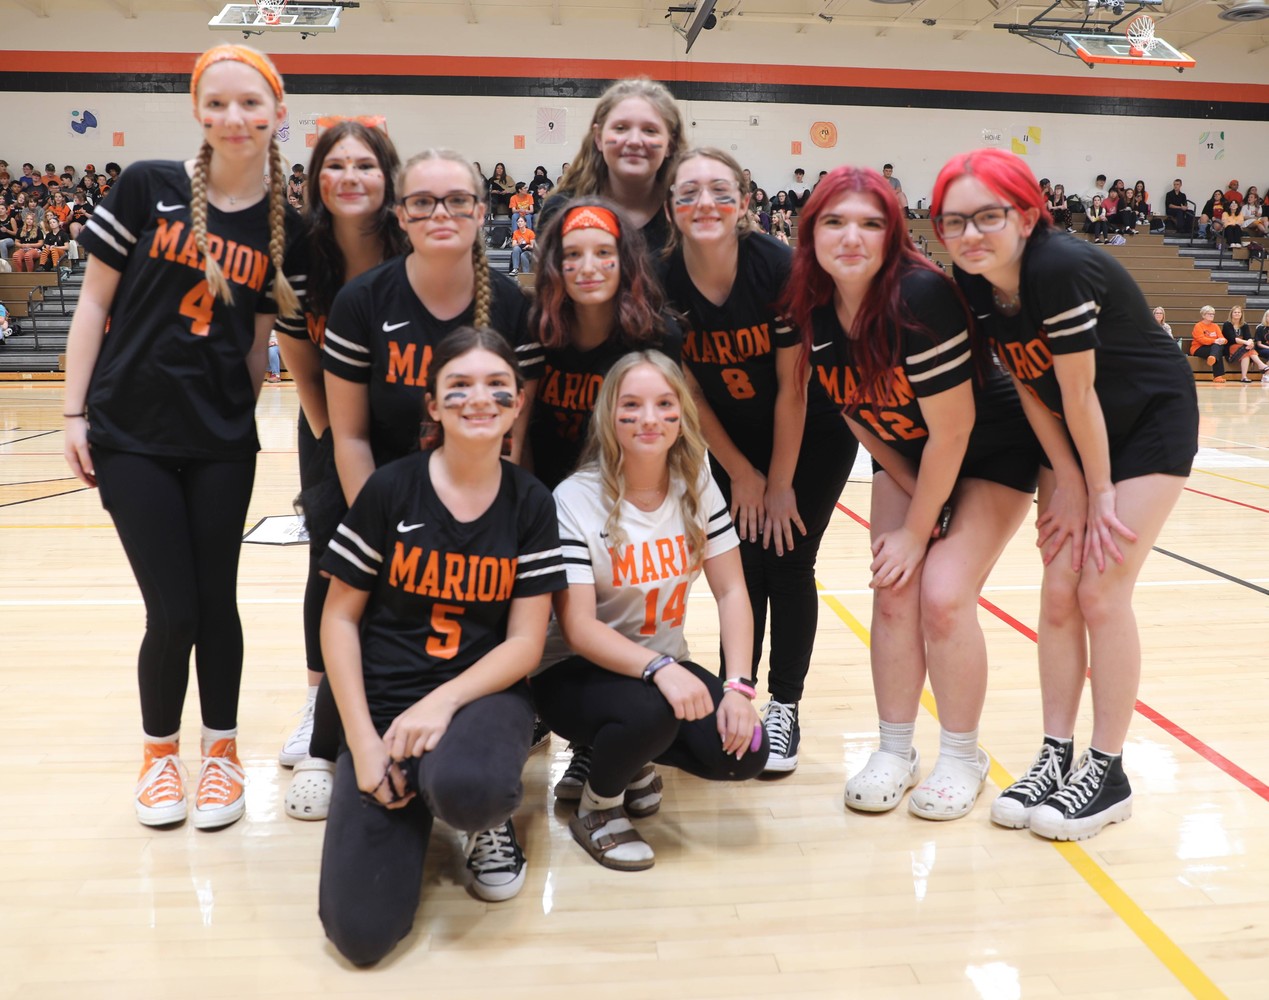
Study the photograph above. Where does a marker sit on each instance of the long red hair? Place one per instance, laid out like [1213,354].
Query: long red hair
[876,351]
[1007,176]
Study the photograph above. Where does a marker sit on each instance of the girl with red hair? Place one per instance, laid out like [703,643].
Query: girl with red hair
[1114,407]
[954,466]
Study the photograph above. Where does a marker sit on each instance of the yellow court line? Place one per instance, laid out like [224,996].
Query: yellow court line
[1233,479]
[1148,932]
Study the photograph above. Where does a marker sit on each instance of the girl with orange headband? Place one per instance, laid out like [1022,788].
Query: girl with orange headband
[186,271]
[779,450]
[597,300]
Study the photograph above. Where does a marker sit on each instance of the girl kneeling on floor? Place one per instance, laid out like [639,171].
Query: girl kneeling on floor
[437,610]
[639,521]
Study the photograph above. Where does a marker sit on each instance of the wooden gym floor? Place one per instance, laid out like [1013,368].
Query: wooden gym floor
[769,889]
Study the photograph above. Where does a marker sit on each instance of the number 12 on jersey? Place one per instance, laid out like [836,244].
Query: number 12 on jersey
[673,613]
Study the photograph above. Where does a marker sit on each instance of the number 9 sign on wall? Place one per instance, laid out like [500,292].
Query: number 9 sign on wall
[824,134]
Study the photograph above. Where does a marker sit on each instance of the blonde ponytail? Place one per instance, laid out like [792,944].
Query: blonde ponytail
[283,294]
[483,295]
[216,279]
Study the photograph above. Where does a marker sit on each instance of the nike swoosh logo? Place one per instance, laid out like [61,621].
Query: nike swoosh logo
[820,347]
[167,208]
[402,527]
[389,327]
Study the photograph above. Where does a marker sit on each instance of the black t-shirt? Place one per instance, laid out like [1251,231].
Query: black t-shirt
[440,589]
[1176,199]
[380,334]
[731,349]
[566,396]
[935,356]
[1078,298]
[172,375]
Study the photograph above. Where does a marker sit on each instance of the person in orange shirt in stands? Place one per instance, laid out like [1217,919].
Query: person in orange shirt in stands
[523,243]
[1209,342]
[522,205]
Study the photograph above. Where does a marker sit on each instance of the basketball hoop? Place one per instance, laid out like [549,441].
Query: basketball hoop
[270,11]
[1140,34]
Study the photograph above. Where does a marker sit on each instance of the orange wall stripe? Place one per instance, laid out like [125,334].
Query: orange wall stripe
[1090,85]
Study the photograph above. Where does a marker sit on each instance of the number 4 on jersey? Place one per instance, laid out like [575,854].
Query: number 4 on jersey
[674,613]
[196,306]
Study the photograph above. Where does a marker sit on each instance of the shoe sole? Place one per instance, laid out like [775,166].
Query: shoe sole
[540,745]
[214,819]
[1044,824]
[499,893]
[780,765]
[162,815]
[569,792]
[291,759]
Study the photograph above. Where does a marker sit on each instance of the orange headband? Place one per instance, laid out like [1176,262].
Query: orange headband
[236,53]
[591,217]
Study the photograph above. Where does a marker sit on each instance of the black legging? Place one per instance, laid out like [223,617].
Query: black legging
[327,730]
[628,723]
[181,522]
[372,857]
[1216,351]
[787,583]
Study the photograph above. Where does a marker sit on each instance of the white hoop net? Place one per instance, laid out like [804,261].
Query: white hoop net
[270,11]
[1140,35]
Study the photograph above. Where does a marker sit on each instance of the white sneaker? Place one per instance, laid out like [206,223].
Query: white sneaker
[880,784]
[295,749]
[496,863]
[951,789]
[309,794]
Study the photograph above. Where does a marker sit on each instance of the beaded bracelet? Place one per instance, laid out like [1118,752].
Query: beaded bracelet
[654,666]
[740,686]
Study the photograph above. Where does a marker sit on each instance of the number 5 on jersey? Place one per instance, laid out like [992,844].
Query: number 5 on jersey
[673,614]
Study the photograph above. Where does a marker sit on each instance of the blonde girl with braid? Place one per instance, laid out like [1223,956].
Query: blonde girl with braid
[186,272]
[616,674]
[381,333]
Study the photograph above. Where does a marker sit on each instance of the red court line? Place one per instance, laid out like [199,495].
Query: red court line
[1244,778]
[1216,496]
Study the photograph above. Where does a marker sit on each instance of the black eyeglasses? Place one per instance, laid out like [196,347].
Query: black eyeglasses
[418,207]
[992,219]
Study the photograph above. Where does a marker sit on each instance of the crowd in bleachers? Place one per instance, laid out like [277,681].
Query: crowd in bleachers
[41,214]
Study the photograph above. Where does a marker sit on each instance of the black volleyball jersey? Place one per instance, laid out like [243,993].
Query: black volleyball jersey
[731,349]
[566,394]
[380,334]
[1076,298]
[172,376]
[935,356]
[440,589]
[306,325]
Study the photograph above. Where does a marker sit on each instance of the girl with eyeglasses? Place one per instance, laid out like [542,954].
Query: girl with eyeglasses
[1114,407]
[954,467]
[351,227]
[778,449]
[380,335]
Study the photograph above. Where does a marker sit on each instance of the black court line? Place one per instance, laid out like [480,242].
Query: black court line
[36,482]
[47,496]
[1215,572]
[31,437]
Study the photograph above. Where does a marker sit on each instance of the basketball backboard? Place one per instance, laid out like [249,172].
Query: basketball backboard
[250,19]
[1118,50]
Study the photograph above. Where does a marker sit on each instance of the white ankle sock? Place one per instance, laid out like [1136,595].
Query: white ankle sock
[962,746]
[211,736]
[640,793]
[174,738]
[312,693]
[635,851]
[896,738]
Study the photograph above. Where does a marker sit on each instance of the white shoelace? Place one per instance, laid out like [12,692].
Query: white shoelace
[1046,768]
[778,720]
[491,850]
[217,778]
[163,781]
[1084,783]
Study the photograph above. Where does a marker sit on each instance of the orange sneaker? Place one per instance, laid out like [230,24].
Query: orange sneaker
[221,798]
[160,795]
[1219,378]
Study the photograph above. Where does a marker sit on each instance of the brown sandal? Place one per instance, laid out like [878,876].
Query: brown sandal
[598,847]
[653,787]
